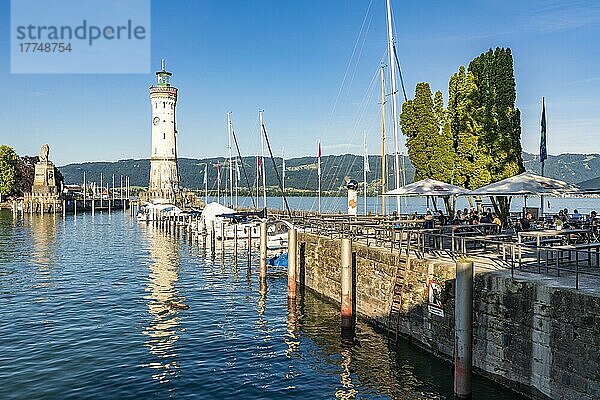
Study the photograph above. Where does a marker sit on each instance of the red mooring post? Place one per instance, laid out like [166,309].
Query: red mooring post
[292,257]
[463,326]
[346,283]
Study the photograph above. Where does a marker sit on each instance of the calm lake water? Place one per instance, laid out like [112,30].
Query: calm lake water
[419,204]
[87,314]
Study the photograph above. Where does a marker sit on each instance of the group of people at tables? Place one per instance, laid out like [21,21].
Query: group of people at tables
[561,220]
[461,217]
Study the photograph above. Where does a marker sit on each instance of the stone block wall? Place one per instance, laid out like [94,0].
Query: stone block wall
[537,339]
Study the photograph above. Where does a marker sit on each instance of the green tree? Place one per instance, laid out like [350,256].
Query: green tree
[429,139]
[472,157]
[8,170]
[500,119]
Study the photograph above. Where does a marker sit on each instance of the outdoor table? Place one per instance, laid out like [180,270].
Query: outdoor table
[475,228]
[548,233]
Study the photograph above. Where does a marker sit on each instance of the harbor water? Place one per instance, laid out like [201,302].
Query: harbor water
[96,307]
[409,205]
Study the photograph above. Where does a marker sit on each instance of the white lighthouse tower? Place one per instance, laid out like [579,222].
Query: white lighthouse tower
[164,177]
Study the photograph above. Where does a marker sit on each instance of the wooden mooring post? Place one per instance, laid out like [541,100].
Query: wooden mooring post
[292,257]
[463,322]
[346,286]
[262,270]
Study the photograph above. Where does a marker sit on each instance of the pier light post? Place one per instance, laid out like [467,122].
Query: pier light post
[463,323]
[346,285]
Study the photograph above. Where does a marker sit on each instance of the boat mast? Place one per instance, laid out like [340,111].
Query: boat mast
[205,183]
[262,159]
[229,155]
[394,103]
[257,179]
[283,178]
[365,170]
[383,173]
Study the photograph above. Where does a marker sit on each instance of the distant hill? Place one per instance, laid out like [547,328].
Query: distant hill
[301,173]
[571,168]
[590,184]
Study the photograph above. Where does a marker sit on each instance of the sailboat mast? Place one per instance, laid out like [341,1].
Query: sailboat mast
[257,177]
[365,167]
[283,178]
[262,159]
[383,173]
[229,155]
[237,180]
[394,102]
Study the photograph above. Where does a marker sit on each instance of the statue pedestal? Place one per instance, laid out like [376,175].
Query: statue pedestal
[44,182]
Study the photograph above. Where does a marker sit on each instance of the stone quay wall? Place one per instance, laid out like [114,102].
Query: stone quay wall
[534,337]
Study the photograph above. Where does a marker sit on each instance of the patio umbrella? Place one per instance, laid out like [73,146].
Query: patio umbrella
[427,187]
[526,184]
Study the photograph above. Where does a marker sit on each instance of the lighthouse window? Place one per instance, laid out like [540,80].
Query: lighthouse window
[172,151]
[164,104]
[164,135]
[155,150]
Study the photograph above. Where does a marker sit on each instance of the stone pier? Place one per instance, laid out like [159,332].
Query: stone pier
[534,334]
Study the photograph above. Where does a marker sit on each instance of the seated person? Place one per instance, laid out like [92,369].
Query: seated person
[526,222]
[458,218]
[561,215]
[593,218]
[429,223]
[576,215]
[487,218]
[558,222]
[496,220]
[441,218]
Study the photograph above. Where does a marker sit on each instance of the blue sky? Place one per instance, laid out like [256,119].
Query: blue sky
[311,67]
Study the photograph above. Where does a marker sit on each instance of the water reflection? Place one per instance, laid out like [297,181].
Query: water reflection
[43,246]
[164,305]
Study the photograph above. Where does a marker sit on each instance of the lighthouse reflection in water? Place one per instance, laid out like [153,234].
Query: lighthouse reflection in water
[162,302]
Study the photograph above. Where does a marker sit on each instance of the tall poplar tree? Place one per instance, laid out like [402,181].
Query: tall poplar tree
[500,119]
[429,143]
[472,158]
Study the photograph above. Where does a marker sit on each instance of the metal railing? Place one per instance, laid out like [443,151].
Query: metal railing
[493,250]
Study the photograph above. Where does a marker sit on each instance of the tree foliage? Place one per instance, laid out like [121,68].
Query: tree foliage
[429,142]
[476,140]
[501,120]
[8,169]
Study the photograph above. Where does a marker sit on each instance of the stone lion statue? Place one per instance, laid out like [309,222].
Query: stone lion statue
[44,152]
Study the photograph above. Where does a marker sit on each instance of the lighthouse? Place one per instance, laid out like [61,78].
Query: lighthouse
[164,176]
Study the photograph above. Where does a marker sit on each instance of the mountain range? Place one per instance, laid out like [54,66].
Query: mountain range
[301,172]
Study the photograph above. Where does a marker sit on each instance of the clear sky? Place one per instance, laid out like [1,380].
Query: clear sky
[310,65]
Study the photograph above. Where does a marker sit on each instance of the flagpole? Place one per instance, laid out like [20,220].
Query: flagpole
[543,150]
